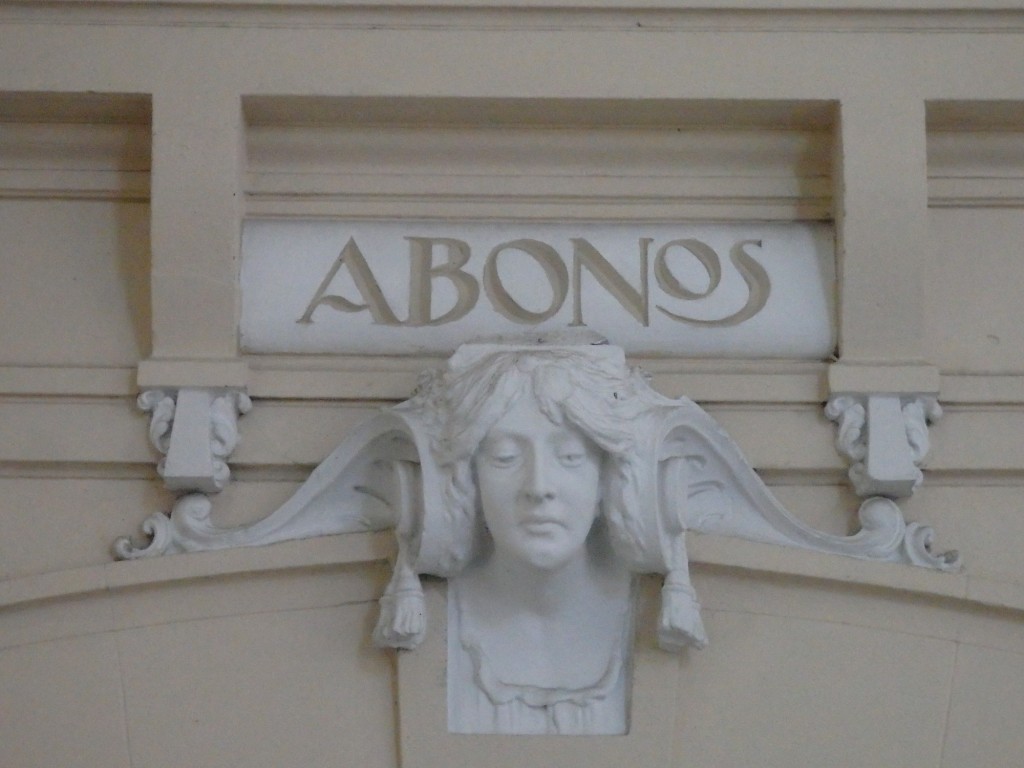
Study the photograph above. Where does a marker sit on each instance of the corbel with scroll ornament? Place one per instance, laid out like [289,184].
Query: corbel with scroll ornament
[885,437]
[195,430]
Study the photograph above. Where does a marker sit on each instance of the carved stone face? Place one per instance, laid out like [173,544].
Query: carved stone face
[539,486]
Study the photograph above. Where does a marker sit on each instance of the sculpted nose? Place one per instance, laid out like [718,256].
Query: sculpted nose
[537,483]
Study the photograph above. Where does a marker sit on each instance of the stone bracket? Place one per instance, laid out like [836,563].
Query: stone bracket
[196,429]
[885,436]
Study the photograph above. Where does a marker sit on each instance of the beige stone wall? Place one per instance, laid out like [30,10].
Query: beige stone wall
[133,140]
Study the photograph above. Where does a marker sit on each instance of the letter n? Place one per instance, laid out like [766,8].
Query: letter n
[633,300]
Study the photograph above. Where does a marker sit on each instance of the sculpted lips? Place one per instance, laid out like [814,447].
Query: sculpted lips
[542,524]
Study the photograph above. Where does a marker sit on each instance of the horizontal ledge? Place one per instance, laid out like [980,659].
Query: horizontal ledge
[638,188]
[67,380]
[722,551]
[386,378]
[978,192]
[767,15]
[706,381]
[469,209]
[170,373]
[833,5]
[832,475]
[897,379]
[125,186]
[353,548]
[358,548]
[982,389]
[395,379]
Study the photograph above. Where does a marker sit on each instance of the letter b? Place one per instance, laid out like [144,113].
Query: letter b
[422,273]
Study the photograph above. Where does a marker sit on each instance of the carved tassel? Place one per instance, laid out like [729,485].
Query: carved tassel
[403,614]
[680,625]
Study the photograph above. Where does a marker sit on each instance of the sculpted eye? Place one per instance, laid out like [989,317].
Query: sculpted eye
[572,459]
[503,454]
[572,454]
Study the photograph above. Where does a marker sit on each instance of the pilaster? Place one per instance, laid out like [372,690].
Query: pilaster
[882,395]
[881,207]
[197,166]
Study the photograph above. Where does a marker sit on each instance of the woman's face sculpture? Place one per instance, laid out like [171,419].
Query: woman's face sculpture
[539,486]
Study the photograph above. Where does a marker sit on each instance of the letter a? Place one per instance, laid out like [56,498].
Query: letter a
[365,282]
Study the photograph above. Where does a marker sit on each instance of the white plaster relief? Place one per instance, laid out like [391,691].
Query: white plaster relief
[538,479]
[885,436]
[196,430]
[181,531]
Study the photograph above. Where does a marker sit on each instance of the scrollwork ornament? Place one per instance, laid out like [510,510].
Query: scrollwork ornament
[195,430]
[849,414]
[161,405]
[181,531]
[917,415]
[917,544]
[885,437]
[224,412]
[851,419]
[882,528]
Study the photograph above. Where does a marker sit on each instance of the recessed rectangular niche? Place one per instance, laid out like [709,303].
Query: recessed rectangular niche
[591,184]
[425,739]
[74,210]
[540,159]
[975,154]
[975,193]
[75,146]
[411,287]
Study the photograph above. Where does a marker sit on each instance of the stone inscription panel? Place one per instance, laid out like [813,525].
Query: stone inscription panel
[375,287]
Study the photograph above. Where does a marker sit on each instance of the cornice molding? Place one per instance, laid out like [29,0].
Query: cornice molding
[733,173]
[902,16]
[358,378]
[51,155]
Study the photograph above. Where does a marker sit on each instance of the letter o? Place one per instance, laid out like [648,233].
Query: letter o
[670,283]
[554,269]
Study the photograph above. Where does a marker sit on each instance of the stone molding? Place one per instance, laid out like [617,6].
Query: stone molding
[976,167]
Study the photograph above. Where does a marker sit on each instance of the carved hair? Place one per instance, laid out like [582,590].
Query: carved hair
[603,398]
